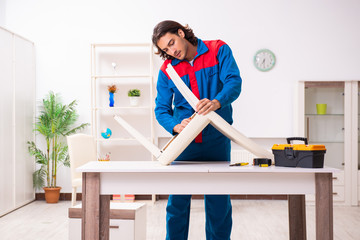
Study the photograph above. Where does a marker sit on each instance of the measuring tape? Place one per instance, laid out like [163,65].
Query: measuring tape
[262,162]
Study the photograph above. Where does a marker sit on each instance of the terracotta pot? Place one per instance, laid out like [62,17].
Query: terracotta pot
[52,194]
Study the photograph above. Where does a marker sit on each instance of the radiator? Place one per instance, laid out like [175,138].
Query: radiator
[242,156]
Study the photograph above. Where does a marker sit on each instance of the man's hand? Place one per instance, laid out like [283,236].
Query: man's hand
[178,128]
[205,106]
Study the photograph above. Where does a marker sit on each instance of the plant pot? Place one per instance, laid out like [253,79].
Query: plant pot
[134,101]
[321,108]
[52,194]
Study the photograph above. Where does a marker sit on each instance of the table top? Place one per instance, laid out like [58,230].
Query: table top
[189,167]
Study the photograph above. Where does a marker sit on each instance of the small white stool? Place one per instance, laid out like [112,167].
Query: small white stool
[127,221]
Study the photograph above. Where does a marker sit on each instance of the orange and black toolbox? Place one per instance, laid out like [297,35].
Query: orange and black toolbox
[299,155]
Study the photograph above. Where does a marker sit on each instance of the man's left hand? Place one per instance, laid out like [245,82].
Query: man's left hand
[205,106]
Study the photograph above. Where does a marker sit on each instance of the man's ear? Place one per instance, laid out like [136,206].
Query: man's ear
[181,33]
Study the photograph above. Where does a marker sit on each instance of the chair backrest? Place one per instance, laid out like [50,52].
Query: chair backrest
[82,149]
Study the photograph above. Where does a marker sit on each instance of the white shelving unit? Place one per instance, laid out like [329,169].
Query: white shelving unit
[337,130]
[17,113]
[355,122]
[128,66]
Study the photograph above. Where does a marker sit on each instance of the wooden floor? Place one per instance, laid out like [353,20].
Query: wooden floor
[252,220]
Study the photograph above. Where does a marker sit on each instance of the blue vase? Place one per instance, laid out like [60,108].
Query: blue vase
[111,99]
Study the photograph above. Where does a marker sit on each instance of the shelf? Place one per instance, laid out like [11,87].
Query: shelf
[338,130]
[121,76]
[121,141]
[320,115]
[128,66]
[326,84]
[119,108]
[121,44]
[118,140]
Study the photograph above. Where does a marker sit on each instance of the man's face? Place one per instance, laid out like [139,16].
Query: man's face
[174,45]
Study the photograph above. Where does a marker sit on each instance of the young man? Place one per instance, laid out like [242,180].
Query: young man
[209,69]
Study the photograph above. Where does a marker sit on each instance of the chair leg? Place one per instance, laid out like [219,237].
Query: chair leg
[73,197]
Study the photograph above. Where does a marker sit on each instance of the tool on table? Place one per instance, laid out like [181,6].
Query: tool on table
[239,164]
[262,162]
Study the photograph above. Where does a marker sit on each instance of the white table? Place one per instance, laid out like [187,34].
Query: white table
[102,179]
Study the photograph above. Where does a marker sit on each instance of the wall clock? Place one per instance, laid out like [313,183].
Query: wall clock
[264,60]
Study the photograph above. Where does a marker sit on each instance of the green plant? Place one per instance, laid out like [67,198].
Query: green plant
[54,124]
[134,93]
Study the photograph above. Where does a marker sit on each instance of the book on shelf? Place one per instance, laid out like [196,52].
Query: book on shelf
[124,197]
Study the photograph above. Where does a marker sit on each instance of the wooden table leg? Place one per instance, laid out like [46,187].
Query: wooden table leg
[324,206]
[104,217]
[297,217]
[90,206]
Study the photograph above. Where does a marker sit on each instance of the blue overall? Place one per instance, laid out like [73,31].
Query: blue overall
[217,77]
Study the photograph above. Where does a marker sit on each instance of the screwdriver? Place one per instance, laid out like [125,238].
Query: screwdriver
[239,164]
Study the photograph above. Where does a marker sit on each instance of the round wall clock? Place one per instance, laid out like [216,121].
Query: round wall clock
[264,60]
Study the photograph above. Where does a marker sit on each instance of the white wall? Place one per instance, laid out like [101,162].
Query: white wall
[2,12]
[312,40]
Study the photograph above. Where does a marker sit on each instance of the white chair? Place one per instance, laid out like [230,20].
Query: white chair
[82,149]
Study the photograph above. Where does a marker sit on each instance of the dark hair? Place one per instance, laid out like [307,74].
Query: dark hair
[169,26]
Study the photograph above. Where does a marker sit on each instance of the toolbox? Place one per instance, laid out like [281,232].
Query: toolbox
[299,155]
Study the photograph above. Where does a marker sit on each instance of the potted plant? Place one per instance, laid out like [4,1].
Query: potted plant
[55,122]
[134,95]
[112,89]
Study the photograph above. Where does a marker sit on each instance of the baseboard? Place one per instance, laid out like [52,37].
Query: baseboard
[67,197]
[63,196]
[239,197]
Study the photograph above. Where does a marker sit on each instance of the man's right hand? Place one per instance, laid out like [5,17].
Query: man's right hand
[178,128]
